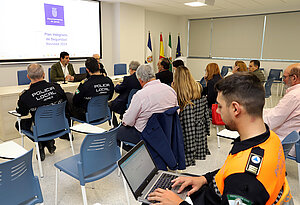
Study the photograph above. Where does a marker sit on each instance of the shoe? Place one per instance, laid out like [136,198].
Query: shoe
[66,137]
[50,146]
[42,152]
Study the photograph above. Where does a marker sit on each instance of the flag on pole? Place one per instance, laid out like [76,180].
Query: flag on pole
[178,50]
[161,50]
[170,52]
[149,56]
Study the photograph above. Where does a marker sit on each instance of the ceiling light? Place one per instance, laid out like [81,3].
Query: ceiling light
[201,3]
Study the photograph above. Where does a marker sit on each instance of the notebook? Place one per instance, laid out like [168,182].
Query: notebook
[142,175]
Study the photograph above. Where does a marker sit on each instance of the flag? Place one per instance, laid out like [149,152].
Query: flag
[149,56]
[178,50]
[170,52]
[161,50]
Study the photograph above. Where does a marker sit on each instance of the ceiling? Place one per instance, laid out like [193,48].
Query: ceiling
[220,8]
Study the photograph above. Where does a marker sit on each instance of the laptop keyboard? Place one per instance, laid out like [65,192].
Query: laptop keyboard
[164,182]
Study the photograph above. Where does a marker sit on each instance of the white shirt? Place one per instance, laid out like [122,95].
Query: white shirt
[65,69]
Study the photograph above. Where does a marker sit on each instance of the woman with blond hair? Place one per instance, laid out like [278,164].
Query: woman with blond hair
[212,76]
[194,115]
[240,66]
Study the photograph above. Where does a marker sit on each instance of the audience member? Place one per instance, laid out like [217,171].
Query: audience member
[119,104]
[239,66]
[97,84]
[154,97]
[62,70]
[177,63]
[164,74]
[254,68]
[39,93]
[102,70]
[251,173]
[212,76]
[285,117]
[194,115]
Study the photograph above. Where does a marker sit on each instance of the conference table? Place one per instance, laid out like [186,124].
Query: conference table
[9,96]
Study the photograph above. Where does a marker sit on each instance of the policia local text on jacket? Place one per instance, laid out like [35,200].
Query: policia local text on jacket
[253,173]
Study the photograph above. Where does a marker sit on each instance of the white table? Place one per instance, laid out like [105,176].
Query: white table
[86,128]
[10,150]
[228,134]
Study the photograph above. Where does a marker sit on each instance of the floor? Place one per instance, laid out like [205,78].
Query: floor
[110,190]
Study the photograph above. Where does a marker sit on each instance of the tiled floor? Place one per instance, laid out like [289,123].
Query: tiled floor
[110,190]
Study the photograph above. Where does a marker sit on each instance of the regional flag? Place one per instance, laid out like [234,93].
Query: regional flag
[170,51]
[178,50]
[161,50]
[149,56]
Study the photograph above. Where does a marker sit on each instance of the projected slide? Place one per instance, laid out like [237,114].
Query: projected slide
[34,29]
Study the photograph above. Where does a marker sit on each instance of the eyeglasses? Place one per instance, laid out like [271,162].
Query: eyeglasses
[285,76]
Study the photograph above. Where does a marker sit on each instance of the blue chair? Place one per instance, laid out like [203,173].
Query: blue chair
[203,82]
[98,111]
[50,122]
[276,74]
[82,70]
[49,75]
[268,87]
[120,69]
[18,185]
[131,93]
[97,159]
[224,70]
[289,141]
[22,77]
[297,158]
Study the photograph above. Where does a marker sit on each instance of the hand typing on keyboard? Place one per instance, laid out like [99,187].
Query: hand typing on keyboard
[164,197]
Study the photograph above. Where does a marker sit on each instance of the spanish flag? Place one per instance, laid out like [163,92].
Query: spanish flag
[161,51]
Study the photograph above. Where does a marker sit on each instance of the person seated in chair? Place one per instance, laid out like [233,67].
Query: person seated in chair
[251,173]
[62,70]
[119,105]
[164,74]
[154,97]
[254,68]
[97,84]
[40,93]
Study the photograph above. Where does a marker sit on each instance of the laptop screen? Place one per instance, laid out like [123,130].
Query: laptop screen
[137,167]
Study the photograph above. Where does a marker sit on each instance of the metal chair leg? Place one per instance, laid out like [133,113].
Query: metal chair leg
[84,195]
[121,148]
[56,186]
[71,143]
[126,190]
[39,159]
[218,138]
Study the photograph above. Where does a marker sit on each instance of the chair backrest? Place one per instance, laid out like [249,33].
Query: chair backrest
[22,77]
[275,74]
[131,93]
[216,117]
[99,151]
[49,74]
[82,70]
[98,109]
[224,70]
[17,182]
[289,141]
[203,82]
[120,69]
[268,86]
[49,119]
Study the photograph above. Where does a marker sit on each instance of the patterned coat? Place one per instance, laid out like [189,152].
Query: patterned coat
[195,123]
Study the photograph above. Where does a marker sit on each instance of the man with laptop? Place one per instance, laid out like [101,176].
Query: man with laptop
[254,171]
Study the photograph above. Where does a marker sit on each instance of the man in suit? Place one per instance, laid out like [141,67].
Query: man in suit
[129,82]
[164,75]
[62,70]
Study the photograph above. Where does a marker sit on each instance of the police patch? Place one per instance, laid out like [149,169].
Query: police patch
[76,91]
[238,200]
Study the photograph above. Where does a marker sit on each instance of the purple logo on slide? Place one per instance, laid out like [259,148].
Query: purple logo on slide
[54,15]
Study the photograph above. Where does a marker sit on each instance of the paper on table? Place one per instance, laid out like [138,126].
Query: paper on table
[14,112]
[228,134]
[11,149]
[87,128]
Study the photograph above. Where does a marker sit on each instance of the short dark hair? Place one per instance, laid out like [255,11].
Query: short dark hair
[178,63]
[256,63]
[92,64]
[165,62]
[63,54]
[244,88]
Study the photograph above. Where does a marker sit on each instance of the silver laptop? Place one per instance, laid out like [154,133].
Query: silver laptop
[142,175]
